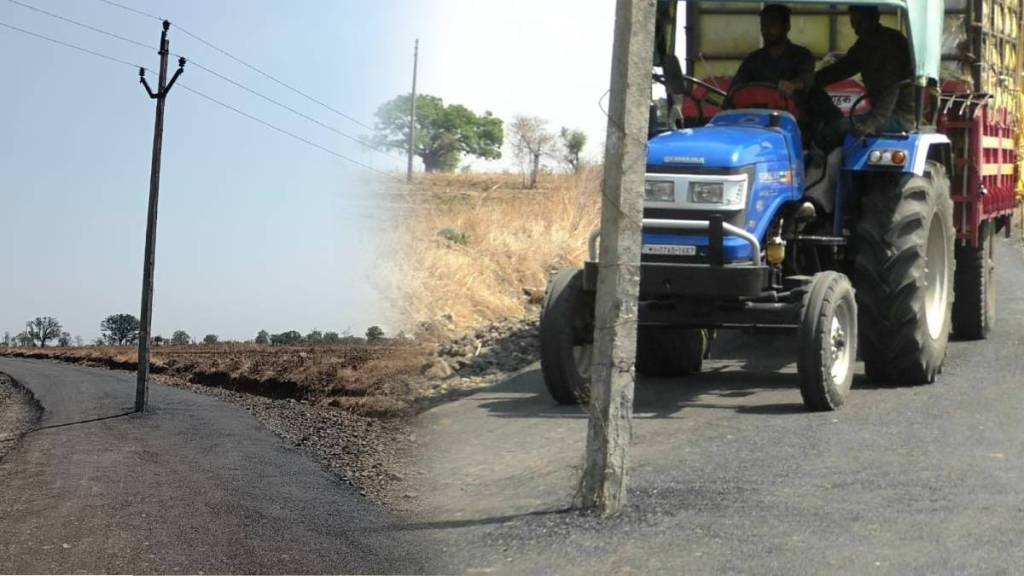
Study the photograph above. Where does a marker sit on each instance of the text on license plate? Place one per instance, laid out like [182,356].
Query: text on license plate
[669,250]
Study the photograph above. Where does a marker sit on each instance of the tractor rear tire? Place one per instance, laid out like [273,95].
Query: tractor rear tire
[667,352]
[566,338]
[974,310]
[828,341]
[903,274]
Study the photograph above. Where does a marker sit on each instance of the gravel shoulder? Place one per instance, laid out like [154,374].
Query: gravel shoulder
[18,414]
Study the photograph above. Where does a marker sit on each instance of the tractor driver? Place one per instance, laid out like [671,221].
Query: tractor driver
[882,57]
[780,63]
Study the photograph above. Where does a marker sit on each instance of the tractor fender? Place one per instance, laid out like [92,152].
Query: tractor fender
[918,148]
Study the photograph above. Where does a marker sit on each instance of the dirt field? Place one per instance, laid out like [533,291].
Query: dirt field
[372,380]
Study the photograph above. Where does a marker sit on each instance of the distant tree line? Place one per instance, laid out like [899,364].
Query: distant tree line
[123,330]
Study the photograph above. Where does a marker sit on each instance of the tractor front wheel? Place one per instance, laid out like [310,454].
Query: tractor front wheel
[828,341]
[567,338]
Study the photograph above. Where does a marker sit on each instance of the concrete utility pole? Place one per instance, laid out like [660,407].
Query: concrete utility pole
[611,406]
[412,111]
[149,260]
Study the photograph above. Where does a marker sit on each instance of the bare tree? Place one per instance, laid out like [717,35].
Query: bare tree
[24,340]
[530,142]
[64,340]
[572,142]
[7,339]
[43,329]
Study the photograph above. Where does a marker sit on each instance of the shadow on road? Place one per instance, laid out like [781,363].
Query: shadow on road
[743,365]
[66,424]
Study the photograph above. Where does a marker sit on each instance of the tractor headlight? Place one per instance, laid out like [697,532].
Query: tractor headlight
[707,192]
[727,195]
[659,191]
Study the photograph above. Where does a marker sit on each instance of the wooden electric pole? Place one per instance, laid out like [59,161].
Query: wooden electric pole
[611,406]
[412,112]
[149,260]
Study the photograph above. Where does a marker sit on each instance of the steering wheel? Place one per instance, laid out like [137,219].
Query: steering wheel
[782,100]
[678,83]
[853,117]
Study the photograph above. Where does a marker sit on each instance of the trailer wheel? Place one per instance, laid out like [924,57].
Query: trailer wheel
[974,309]
[667,352]
[903,273]
[828,341]
[567,338]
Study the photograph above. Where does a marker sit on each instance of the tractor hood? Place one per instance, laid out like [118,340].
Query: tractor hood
[734,138]
[717,147]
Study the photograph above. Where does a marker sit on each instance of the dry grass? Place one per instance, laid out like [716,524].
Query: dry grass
[472,244]
[370,379]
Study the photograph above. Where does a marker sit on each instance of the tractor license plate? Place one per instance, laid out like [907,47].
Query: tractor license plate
[669,250]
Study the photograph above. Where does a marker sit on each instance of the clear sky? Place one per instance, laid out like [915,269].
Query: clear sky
[256,230]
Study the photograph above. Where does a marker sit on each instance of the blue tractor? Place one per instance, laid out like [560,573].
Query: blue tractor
[745,226]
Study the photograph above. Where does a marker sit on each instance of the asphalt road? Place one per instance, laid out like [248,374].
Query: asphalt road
[731,475]
[194,486]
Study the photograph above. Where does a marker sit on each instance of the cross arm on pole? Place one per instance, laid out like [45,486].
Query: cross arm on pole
[181,68]
[142,79]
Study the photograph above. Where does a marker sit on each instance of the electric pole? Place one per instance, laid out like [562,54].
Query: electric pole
[412,112]
[610,428]
[149,260]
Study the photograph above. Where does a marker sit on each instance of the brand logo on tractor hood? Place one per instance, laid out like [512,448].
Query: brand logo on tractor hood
[684,159]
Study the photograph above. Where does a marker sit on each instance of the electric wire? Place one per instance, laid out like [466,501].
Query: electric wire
[285,132]
[73,46]
[324,125]
[130,9]
[205,96]
[208,70]
[252,67]
[81,24]
[272,78]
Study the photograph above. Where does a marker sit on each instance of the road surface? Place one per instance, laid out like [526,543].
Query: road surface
[731,475]
[193,486]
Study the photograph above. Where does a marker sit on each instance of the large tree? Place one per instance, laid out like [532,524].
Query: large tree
[443,133]
[374,334]
[120,329]
[180,338]
[43,329]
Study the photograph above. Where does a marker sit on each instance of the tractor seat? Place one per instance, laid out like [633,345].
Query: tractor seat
[844,93]
[689,108]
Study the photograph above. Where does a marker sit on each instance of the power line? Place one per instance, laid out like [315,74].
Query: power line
[286,132]
[272,78]
[292,110]
[130,9]
[206,69]
[198,93]
[81,24]
[246,64]
[73,46]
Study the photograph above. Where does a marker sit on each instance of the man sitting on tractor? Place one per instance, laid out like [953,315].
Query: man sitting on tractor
[882,57]
[780,63]
[790,68]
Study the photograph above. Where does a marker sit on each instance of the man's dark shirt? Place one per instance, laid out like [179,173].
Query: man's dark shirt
[883,60]
[795,64]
